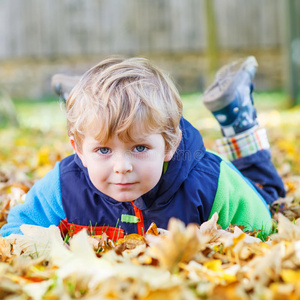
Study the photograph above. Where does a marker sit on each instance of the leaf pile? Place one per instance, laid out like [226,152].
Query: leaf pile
[182,262]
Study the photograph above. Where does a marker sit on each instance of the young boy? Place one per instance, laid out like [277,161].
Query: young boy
[138,161]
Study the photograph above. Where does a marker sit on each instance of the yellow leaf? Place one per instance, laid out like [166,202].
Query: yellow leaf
[290,276]
[43,170]
[43,156]
[214,265]
[282,290]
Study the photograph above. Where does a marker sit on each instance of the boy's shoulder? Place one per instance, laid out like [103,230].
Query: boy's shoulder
[212,169]
[70,164]
[209,164]
[194,154]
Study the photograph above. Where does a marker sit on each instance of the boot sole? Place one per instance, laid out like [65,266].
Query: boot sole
[222,91]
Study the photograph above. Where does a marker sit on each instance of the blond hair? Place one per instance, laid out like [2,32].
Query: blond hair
[119,95]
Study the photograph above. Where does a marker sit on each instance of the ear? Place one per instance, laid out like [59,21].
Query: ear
[170,153]
[77,150]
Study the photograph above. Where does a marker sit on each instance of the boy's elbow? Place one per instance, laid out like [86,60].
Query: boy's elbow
[9,229]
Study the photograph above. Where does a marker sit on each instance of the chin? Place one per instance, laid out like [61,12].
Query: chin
[124,200]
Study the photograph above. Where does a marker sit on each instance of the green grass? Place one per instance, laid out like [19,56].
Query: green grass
[194,108]
[48,113]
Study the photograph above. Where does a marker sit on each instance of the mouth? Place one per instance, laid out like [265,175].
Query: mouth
[124,185]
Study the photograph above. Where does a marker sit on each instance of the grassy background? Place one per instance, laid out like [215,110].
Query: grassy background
[48,113]
[29,151]
[44,121]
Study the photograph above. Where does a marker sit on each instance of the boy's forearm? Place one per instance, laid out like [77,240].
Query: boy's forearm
[42,206]
[237,203]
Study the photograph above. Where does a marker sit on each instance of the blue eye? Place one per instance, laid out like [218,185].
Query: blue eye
[103,150]
[140,148]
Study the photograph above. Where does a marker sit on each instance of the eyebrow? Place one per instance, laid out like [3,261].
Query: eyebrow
[136,140]
[142,140]
[139,140]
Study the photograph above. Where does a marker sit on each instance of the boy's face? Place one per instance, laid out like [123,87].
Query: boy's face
[124,170]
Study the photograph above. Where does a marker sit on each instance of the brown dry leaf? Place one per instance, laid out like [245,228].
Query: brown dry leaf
[261,270]
[4,212]
[94,242]
[180,245]
[152,229]
[213,271]
[24,187]
[287,230]
[210,233]
[142,283]
[5,250]
[264,269]
[36,240]
[3,177]
[10,289]
[105,243]
[131,241]
[239,237]
[228,292]
[278,291]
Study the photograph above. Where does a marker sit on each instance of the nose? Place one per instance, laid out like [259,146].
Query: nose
[122,164]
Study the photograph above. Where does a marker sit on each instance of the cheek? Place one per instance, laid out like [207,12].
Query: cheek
[82,158]
[152,170]
[97,173]
[98,179]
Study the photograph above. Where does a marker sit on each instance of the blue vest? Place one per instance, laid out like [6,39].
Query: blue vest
[185,191]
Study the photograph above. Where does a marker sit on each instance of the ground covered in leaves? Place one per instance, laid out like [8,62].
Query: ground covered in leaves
[180,263]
